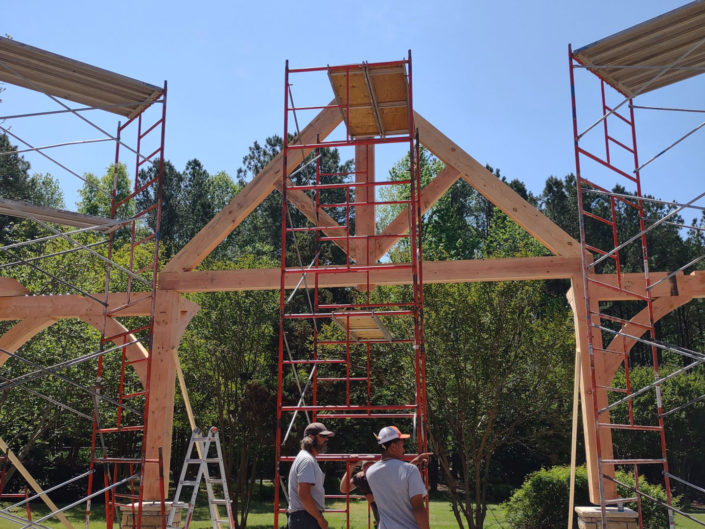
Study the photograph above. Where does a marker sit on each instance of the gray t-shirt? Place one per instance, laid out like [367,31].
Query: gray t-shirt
[394,483]
[305,469]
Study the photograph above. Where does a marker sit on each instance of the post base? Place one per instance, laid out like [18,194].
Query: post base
[591,518]
[151,515]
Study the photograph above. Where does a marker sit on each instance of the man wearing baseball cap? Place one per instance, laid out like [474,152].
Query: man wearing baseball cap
[306,494]
[398,488]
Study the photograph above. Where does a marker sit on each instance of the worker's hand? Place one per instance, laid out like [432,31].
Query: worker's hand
[421,460]
[323,523]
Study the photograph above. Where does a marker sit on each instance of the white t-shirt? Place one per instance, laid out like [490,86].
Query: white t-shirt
[394,483]
[305,469]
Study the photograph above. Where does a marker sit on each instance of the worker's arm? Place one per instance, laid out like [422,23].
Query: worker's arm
[421,459]
[418,507]
[310,505]
[346,483]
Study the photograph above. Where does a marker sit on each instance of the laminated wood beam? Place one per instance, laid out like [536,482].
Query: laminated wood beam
[496,191]
[252,195]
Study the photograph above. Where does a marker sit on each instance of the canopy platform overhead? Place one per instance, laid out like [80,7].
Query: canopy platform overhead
[14,208]
[362,326]
[59,76]
[374,98]
[656,53]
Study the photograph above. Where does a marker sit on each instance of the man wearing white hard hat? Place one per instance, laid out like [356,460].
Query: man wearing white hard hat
[306,494]
[398,488]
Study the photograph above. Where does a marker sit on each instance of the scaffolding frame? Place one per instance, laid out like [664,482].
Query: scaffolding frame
[361,323]
[622,312]
[63,81]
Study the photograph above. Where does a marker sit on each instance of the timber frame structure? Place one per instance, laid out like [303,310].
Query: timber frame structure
[172,312]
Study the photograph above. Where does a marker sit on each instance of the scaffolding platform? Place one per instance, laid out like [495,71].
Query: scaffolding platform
[374,99]
[59,76]
[15,208]
[670,43]
[365,326]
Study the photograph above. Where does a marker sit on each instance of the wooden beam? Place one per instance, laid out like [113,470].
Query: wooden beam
[496,191]
[637,327]
[69,306]
[20,333]
[692,285]
[33,483]
[473,270]
[365,215]
[250,197]
[134,351]
[12,287]
[429,196]
[171,317]
[576,298]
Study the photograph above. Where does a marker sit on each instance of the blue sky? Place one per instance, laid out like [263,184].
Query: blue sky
[493,76]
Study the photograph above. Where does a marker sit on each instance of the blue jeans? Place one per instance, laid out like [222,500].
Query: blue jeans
[302,520]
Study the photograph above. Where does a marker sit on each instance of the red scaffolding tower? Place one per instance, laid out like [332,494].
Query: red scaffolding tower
[621,315]
[126,244]
[124,421]
[333,341]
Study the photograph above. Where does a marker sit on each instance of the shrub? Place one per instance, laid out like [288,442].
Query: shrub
[542,501]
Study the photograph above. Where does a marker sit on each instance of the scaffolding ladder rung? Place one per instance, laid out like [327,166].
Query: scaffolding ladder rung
[655,461]
[616,501]
[292,362]
[120,429]
[341,379]
[639,427]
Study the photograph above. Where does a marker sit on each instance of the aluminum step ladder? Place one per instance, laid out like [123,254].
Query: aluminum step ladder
[199,462]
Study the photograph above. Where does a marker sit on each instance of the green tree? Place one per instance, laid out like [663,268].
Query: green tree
[96,193]
[190,199]
[17,184]
[499,362]
[260,232]
[227,356]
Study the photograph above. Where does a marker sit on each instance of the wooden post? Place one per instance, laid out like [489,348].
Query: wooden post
[365,223]
[577,303]
[170,321]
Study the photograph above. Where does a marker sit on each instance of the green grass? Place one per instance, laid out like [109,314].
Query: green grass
[261,517]
[684,523]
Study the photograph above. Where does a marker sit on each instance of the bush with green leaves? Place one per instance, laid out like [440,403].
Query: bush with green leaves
[542,501]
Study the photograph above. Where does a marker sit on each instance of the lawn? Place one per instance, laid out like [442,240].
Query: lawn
[261,517]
